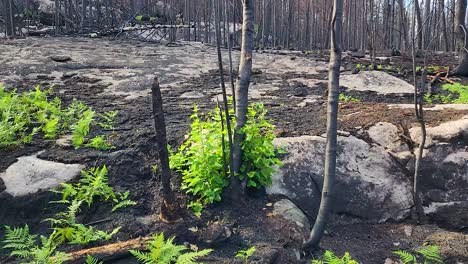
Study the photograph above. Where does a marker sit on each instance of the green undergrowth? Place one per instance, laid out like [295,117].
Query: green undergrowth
[330,258]
[23,116]
[164,251]
[92,187]
[348,98]
[200,158]
[457,94]
[428,254]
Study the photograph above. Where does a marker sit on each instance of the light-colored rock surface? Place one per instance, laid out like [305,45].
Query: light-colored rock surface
[437,107]
[289,211]
[387,136]
[453,246]
[30,174]
[376,81]
[445,132]
[371,186]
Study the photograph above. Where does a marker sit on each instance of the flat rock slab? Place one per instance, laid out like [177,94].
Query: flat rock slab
[377,81]
[30,175]
[445,132]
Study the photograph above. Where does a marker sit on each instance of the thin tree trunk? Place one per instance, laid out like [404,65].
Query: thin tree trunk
[418,105]
[223,84]
[230,40]
[242,93]
[462,37]
[170,210]
[332,120]
[420,26]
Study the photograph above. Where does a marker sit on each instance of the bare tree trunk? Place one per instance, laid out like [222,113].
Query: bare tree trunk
[9,18]
[170,210]
[420,26]
[230,40]
[444,25]
[462,36]
[223,84]
[418,105]
[242,94]
[332,120]
[427,21]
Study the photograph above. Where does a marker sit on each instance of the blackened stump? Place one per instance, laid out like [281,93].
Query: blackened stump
[170,209]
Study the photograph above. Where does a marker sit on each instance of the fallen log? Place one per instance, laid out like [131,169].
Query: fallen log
[111,251]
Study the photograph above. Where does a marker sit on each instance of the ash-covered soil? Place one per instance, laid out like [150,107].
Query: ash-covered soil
[116,75]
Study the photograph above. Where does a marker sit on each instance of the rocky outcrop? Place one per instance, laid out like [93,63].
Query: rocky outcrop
[374,176]
[445,172]
[370,187]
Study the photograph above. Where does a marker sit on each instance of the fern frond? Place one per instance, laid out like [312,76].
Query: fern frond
[123,204]
[191,257]
[92,260]
[142,257]
[406,256]
[431,254]
[19,241]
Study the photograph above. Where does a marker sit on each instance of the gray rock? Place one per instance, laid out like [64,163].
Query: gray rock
[30,174]
[358,54]
[60,58]
[265,254]
[377,81]
[192,95]
[289,211]
[371,185]
[446,132]
[215,234]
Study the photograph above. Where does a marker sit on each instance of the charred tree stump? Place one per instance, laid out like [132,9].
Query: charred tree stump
[170,209]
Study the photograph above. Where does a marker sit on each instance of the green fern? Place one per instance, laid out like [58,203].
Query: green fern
[430,254]
[406,257]
[191,257]
[100,143]
[24,246]
[81,129]
[92,260]
[330,258]
[19,241]
[246,254]
[161,251]
[107,119]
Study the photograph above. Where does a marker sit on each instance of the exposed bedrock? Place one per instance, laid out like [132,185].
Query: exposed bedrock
[374,174]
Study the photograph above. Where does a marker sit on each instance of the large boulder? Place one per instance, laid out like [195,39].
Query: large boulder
[370,187]
[377,81]
[445,172]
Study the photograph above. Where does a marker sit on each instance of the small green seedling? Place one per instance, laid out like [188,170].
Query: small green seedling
[330,258]
[246,254]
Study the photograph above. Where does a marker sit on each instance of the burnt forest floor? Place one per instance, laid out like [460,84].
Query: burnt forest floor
[130,164]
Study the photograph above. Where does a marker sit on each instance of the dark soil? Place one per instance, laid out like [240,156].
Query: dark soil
[131,162]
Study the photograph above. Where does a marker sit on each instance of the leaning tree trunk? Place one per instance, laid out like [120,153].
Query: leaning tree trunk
[461,33]
[170,210]
[332,119]
[242,93]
